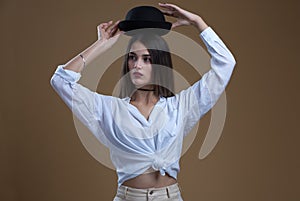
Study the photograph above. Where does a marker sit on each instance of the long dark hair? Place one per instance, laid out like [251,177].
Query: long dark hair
[162,67]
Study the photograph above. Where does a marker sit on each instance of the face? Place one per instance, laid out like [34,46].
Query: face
[139,64]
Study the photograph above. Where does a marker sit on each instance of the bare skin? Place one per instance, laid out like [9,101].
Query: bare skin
[144,104]
[141,101]
[150,180]
[144,101]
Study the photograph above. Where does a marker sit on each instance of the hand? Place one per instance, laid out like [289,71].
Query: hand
[108,30]
[183,17]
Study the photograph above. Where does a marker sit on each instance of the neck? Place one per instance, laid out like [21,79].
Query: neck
[149,87]
[144,95]
[142,89]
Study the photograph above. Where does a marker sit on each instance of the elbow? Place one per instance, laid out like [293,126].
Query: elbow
[53,82]
[226,63]
[231,61]
[231,65]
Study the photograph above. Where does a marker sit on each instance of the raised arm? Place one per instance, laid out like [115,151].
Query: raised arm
[108,33]
[201,97]
[86,105]
[65,78]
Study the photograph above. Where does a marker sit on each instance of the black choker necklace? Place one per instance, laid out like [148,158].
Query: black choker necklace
[141,89]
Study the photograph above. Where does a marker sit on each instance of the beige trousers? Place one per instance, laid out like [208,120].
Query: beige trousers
[168,193]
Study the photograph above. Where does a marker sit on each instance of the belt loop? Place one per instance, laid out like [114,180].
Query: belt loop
[126,189]
[147,194]
[167,189]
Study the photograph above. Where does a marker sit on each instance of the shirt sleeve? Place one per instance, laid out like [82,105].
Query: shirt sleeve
[85,104]
[198,99]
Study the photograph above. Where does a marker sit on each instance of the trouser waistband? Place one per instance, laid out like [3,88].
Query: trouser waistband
[166,192]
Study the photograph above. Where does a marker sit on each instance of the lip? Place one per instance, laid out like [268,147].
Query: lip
[137,74]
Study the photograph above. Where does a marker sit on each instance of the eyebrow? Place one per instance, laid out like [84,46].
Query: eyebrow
[144,55]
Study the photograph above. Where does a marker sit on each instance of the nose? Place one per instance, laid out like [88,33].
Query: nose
[138,63]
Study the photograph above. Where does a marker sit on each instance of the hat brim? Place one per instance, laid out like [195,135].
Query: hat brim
[131,27]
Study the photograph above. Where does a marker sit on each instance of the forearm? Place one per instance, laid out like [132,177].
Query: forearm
[90,54]
[203,95]
[214,82]
[199,23]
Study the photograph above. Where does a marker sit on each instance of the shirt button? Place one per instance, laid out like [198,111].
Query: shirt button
[151,192]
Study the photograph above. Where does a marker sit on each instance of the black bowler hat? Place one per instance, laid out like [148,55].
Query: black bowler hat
[143,17]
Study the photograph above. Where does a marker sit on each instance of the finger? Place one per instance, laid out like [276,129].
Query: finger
[103,30]
[168,6]
[99,31]
[113,31]
[106,25]
[112,28]
[164,6]
[175,24]
[168,13]
[116,23]
[102,26]
[110,23]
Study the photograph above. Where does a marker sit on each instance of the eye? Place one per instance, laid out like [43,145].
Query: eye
[131,57]
[147,59]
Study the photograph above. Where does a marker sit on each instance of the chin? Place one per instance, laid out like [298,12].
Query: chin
[138,84]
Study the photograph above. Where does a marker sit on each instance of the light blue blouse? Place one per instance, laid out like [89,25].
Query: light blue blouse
[137,144]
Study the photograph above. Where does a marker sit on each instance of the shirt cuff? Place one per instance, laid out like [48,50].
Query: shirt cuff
[68,75]
[207,34]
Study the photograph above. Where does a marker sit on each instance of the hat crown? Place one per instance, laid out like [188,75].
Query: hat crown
[145,17]
[145,13]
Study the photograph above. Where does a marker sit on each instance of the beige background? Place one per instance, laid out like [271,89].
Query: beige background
[257,157]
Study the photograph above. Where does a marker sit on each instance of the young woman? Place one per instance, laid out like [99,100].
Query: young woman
[145,126]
